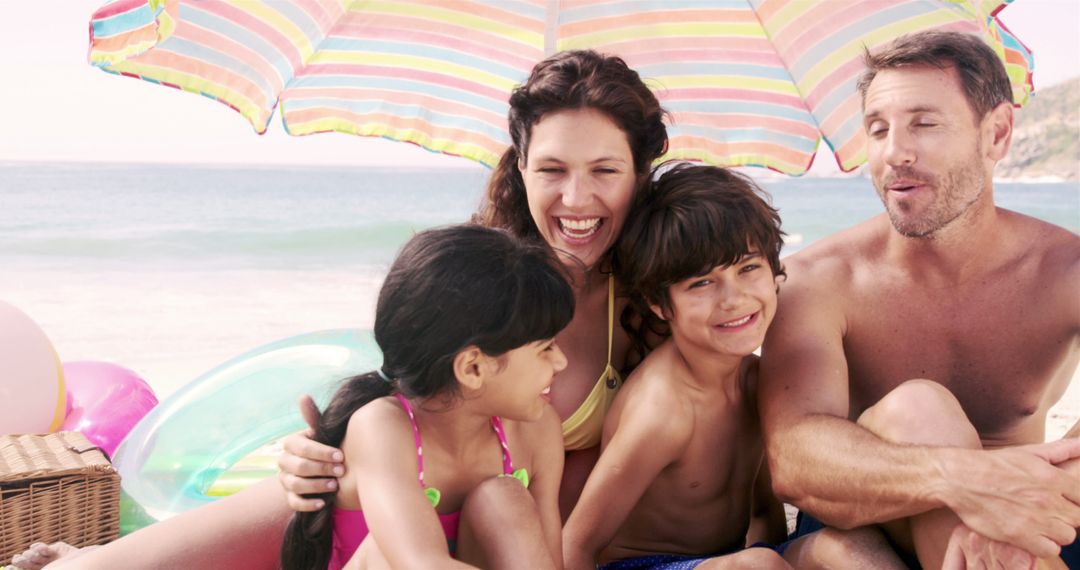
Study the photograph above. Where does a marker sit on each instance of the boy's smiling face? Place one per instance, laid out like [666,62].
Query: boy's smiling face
[727,310]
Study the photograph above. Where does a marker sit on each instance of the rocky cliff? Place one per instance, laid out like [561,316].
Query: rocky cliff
[1046,138]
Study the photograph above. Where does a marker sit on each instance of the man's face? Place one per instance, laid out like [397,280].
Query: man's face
[925,148]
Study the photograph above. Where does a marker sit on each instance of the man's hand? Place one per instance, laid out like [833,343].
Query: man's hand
[1018,496]
[969,550]
[308,467]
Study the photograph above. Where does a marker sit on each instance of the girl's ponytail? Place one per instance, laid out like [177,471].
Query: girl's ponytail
[309,536]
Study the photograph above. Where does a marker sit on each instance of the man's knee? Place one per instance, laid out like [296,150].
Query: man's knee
[921,412]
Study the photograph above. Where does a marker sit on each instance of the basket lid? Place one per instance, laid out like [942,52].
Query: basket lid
[28,457]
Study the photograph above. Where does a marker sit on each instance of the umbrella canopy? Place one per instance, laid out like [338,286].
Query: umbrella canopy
[748,82]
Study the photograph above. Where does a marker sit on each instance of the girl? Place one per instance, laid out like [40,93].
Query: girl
[465,320]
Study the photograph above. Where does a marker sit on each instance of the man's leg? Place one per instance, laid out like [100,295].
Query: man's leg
[922,412]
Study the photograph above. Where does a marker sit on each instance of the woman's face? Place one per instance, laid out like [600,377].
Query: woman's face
[579,179]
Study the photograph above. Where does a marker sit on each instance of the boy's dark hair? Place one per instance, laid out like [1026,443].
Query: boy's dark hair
[696,218]
[448,289]
[981,72]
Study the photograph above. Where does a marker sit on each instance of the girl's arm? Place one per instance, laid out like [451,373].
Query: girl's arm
[768,523]
[381,453]
[646,436]
[545,476]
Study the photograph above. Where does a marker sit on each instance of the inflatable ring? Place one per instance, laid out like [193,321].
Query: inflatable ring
[178,450]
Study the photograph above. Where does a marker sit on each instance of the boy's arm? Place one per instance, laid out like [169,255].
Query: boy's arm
[647,435]
[768,523]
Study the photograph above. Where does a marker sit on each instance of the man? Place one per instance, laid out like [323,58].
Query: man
[908,373]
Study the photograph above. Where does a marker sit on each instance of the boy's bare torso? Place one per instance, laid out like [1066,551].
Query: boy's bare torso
[700,503]
[994,339]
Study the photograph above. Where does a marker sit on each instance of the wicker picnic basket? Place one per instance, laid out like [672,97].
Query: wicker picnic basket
[55,487]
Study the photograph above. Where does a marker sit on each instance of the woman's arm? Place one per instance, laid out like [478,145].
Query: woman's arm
[308,467]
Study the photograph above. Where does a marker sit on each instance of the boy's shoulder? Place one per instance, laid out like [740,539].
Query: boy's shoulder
[651,391]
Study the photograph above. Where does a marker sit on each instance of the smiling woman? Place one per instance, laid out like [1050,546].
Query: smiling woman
[579,177]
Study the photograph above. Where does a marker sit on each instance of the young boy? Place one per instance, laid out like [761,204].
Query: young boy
[681,479]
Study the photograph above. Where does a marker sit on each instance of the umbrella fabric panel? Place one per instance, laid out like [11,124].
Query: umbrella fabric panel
[240,53]
[747,82]
[759,82]
[433,74]
[713,66]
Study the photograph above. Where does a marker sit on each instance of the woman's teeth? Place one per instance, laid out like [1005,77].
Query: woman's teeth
[582,228]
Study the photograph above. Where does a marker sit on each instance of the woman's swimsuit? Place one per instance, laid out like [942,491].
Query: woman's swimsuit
[350,526]
[582,429]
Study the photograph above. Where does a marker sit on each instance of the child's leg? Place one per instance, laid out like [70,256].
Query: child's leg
[864,547]
[500,527]
[751,558]
[367,557]
[39,554]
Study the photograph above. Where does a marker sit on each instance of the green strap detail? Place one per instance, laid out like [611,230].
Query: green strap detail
[433,495]
[521,475]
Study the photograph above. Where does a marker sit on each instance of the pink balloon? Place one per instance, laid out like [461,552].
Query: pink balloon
[106,401]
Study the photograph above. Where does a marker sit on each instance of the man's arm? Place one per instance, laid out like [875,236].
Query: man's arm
[648,435]
[848,477]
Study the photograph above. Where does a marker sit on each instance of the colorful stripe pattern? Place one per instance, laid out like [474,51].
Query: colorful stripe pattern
[748,82]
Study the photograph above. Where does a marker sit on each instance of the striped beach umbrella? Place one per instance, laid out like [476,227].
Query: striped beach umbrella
[748,82]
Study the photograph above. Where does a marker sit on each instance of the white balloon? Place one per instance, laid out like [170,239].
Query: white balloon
[32,395]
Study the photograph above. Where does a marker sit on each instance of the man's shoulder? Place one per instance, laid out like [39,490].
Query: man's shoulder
[1054,252]
[830,262]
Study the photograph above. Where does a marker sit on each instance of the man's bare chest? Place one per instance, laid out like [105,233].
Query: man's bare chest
[997,353]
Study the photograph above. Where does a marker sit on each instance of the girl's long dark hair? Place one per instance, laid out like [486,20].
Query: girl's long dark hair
[448,289]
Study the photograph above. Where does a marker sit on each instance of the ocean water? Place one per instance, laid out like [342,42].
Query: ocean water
[172,269]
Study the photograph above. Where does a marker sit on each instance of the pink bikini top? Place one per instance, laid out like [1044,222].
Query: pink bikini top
[350,526]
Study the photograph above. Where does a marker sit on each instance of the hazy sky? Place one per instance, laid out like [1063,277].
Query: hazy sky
[54,106]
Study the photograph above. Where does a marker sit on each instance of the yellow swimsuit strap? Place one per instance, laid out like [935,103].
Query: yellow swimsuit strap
[583,428]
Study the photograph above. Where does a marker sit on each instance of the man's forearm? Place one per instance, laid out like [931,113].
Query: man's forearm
[848,477]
